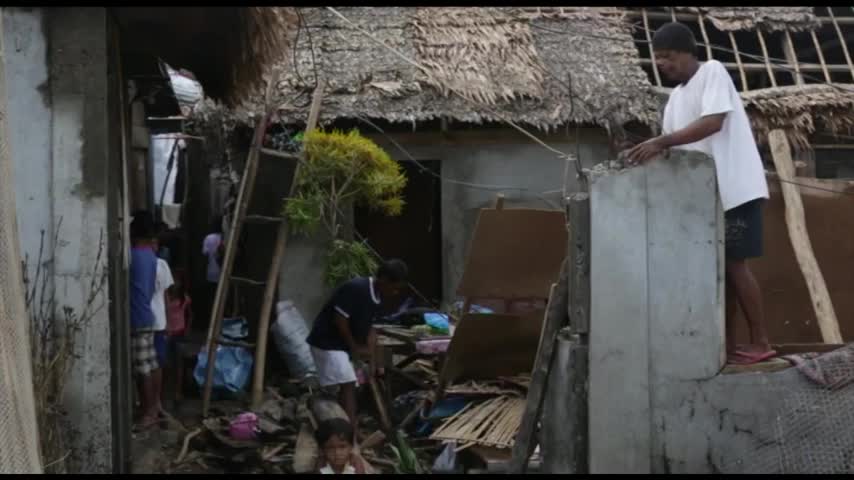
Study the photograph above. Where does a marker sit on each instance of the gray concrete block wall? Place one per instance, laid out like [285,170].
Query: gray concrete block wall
[56,94]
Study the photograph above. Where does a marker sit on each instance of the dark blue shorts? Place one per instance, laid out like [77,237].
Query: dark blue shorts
[743,237]
[160,347]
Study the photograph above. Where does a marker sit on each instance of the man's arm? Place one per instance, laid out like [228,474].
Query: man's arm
[343,325]
[694,132]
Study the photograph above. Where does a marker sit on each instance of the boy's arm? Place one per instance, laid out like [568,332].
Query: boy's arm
[343,325]
[694,132]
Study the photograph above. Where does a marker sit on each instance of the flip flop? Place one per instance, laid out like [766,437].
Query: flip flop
[747,358]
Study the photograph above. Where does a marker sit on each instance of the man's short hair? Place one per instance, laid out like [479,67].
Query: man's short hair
[394,270]
[337,427]
[675,36]
[142,225]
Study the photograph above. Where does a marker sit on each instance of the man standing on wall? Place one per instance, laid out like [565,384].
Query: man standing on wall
[705,113]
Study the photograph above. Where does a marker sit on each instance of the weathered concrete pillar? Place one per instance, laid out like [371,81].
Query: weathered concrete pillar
[656,299]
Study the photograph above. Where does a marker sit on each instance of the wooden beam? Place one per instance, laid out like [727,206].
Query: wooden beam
[744,86]
[765,56]
[701,21]
[578,256]
[554,320]
[273,273]
[798,235]
[820,56]
[842,40]
[672,14]
[651,52]
[792,58]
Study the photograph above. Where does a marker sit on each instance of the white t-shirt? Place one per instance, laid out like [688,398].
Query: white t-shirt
[209,248]
[741,175]
[163,281]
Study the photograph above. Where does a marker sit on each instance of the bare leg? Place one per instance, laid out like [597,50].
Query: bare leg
[746,289]
[179,378]
[347,398]
[149,400]
[157,386]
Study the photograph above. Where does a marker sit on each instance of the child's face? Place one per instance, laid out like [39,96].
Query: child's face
[337,451]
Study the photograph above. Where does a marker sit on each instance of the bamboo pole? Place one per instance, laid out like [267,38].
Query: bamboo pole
[798,235]
[275,267]
[743,75]
[651,51]
[842,40]
[820,56]
[765,57]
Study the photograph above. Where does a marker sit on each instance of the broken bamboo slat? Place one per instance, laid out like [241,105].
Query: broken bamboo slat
[842,40]
[798,235]
[701,20]
[741,73]
[765,56]
[792,58]
[820,56]
[273,274]
[556,313]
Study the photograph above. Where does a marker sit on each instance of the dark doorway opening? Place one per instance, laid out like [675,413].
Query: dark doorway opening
[415,236]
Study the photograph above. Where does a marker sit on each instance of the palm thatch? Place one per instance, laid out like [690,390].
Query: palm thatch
[262,41]
[751,18]
[474,65]
[800,111]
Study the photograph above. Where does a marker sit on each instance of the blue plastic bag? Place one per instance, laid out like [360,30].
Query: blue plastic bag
[438,321]
[232,368]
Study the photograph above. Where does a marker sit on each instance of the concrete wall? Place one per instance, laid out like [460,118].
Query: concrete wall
[657,403]
[56,62]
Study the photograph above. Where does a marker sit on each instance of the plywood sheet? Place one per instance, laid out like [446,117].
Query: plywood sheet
[514,253]
[488,346]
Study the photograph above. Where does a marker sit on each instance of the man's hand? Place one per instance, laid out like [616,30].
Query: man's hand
[645,151]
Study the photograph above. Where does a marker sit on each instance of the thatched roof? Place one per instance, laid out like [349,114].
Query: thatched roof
[516,61]
[799,110]
[750,18]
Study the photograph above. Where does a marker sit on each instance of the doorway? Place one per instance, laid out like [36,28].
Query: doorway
[415,236]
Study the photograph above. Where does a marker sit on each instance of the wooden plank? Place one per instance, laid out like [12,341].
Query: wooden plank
[579,262]
[794,348]
[820,56]
[842,40]
[755,67]
[798,235]
[385,423]
[278,154]
[244,195]
[744,86]
[555,319]
[564,434]
[649,43]
[273,274]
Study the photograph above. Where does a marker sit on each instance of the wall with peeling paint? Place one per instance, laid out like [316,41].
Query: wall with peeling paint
[657,403]
[56,88]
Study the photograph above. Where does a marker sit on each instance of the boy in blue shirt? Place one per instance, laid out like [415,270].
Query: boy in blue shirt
[142,274]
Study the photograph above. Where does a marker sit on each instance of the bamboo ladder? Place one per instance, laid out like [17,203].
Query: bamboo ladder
[247,185]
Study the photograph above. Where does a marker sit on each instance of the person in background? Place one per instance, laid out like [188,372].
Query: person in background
[213,249]
[163,280]
[335,439]
[344,329]
[179,318]
[705,113]
[142,274]
[163,250]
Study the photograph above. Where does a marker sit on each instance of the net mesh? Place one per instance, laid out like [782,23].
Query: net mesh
[19,448]
[811,428]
